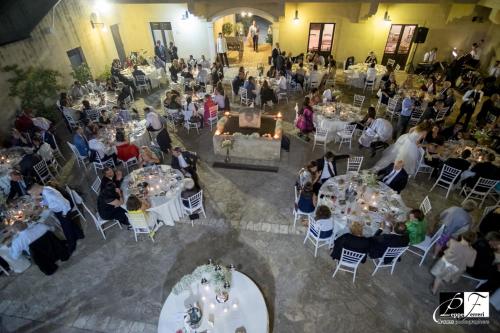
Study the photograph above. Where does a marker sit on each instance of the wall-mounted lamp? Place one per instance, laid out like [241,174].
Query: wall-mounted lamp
[250,14]
[243,14]
[94,23]
[454,53]
[387,18]
[185,16]
[296,18]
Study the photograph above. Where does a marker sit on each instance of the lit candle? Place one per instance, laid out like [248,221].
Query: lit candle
[217,132]
[225,310]
[279,115]
[276,136]
[226,113]
[207,288]
[203,298]
[235,306]
[212,305]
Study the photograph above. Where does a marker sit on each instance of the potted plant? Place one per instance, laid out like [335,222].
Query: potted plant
[36,88]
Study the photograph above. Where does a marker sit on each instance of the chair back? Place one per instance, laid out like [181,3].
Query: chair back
[351,258]
[140,80]
[320,134]
[313,229]
[96,185]
[484,185]
[487,210]
[213,111]
[436,236]
[358,101]
[93,115]
[43,172]
[449,174]
[348,130]
[425,206]
[442,114]
[391,62]
[354,163]
[195,201]
[137,220]
[392,104]
[393,253]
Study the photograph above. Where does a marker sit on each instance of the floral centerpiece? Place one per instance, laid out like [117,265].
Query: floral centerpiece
[227,144]
[369,178]
[482,137]
[216,276]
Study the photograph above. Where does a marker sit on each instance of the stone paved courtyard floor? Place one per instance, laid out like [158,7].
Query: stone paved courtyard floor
[118,285]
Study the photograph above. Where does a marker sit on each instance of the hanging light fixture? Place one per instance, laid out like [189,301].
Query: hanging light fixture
[296,18]
[387,18]
[185,16]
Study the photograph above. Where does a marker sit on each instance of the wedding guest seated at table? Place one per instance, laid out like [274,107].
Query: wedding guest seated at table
[138,73]
[43,149]
[371,73]
[153,121]
[189,189]
[371,58]
[429,86]
[125,92]
[110,176]
[98,148]
[250,87]
[24,122]
[18,139]
[394,175]
[104,118]
[65,100]
[185,162]
[202,78]
[484,169]
[26,164]
[109,202]
[207,104]
[490,108]
[376,135]
[136,205]
[389,91]
[315,96]
[484,265]
[158,63]
[367,119]
[456,220]
[330,62]
[449,101]
[61,207]
[453,132]
[432,110]
[307,199]
[308,174]
[443,93]
[327,165]
[416,226]
[204,62]
[324,221]
[460,163]
[173,102]
[18,187]
[39,242]
[380,242]
[281,81]
[80,142]
[458,256]
[304,120]
[300,75]
[220,99]
[174,70]
[267,94]
[315,77]
[148,157]
[271,73]
[77,91]
[217,72]
[353,241]
[192,114]
[434,136]
[238,82]
[124,149]
[490,222]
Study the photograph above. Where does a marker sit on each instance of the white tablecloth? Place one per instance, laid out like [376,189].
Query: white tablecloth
[332,122]
[380,196]
[356,74]
[250,314]
[168,208]
[151,74]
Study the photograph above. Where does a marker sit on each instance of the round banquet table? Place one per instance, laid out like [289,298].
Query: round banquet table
[150,71]
[371,205]
[356,74]
[165,202]
[250,314]
[325,116]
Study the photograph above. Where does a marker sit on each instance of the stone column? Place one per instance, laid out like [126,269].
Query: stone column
[211,41]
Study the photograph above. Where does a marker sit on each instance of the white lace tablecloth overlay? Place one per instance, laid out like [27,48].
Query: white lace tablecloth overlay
[138,134]
[164,191]
[326,117]
[245,308]
[370,207]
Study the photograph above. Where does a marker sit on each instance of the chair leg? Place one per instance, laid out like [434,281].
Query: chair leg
[316,249]
[102,232]
[135,235]
[336,269]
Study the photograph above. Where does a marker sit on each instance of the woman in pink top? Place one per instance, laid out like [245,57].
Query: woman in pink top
[305,120]
[458,256]
[206,107]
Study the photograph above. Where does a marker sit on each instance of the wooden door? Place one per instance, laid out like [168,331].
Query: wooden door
[399,42]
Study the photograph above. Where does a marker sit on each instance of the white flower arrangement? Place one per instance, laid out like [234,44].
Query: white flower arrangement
[227,143]
[215,278]
[255,135]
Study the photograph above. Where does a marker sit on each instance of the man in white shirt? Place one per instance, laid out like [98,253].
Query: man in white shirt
[104,152]
[430,56]
[25,236]
[371,73]
[153,121]
[204,62]
[202,76]
[222,50]
[470,100]
[254,33]
[315,77]
[61,207]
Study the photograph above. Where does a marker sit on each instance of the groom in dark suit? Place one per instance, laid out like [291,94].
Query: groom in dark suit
[185,162]
[330,161]
[394,175]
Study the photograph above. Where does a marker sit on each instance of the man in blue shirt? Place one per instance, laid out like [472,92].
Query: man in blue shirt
[80,142]
[250,87]
[406,110]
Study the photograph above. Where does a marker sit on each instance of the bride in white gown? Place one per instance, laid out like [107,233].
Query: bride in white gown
[406,148]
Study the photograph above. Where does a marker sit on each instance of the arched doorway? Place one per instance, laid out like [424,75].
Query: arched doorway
[241,49]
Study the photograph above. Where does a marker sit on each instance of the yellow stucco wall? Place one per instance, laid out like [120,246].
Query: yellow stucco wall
[357,38]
